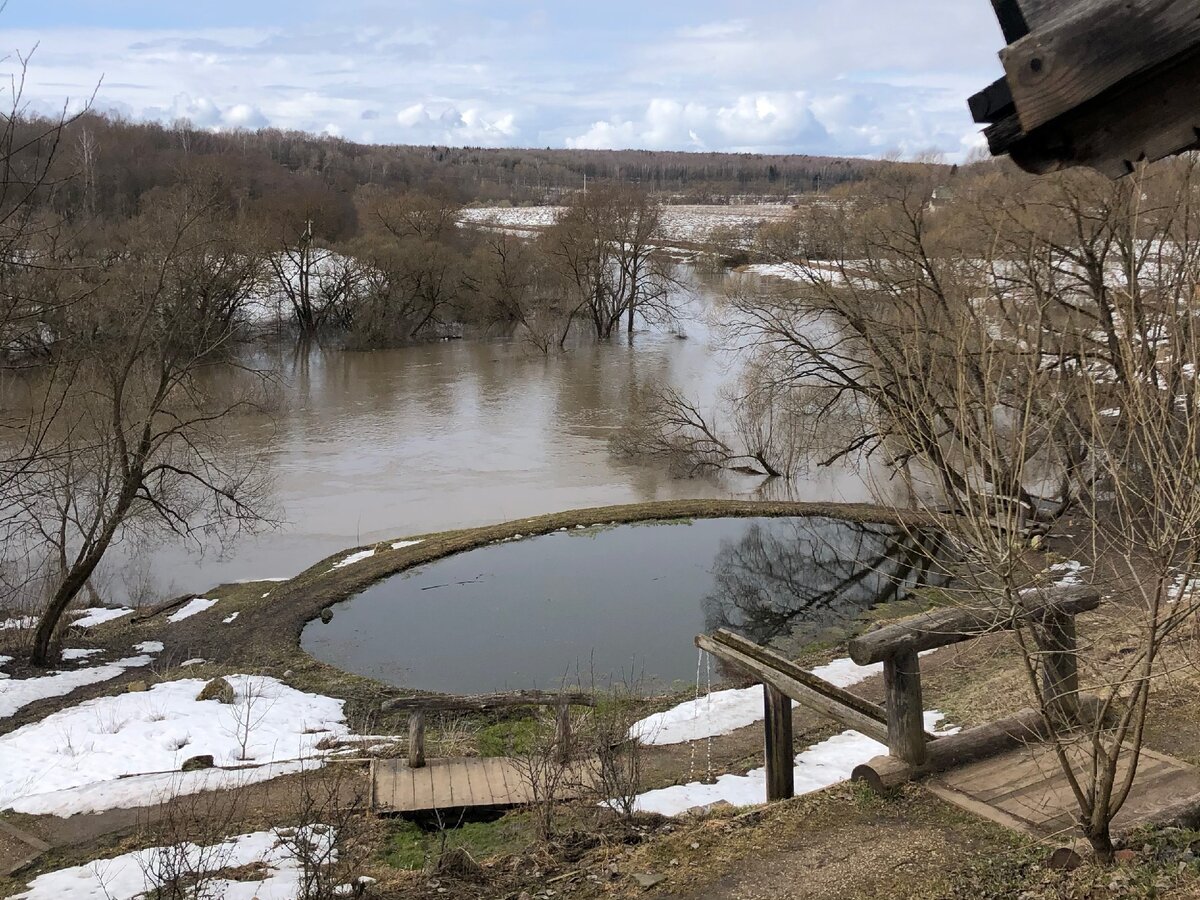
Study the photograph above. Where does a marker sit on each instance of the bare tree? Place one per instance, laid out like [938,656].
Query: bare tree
[1031,350]
[140,443]
[603,247]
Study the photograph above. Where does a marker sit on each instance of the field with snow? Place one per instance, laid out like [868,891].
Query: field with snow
[688,224]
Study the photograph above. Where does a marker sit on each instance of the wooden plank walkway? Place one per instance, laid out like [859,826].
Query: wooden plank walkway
[1025,789]
[458,783]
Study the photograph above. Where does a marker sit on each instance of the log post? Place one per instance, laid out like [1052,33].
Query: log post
[1060,668]
[778,751]
[904,708]
[562,733]
[416,739]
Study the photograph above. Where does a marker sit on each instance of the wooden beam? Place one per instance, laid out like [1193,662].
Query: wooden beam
[942,627]
[799,691]
[416,739]
[905,708]
[993,103]
[1012,20]
[1080,55]
[1027,726]
[1040,13]
[562,733]
[885,772]
[770,658]
[485,702]
[778,748]
[1060,667]
[1158,117]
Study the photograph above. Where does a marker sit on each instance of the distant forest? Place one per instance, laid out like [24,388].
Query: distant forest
[117,162]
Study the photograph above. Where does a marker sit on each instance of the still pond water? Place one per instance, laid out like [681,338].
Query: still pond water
[616,604]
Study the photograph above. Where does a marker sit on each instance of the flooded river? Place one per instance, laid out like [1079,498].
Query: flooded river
[374,445]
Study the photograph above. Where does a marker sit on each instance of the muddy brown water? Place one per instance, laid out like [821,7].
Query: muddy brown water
[368,446]
[619,604]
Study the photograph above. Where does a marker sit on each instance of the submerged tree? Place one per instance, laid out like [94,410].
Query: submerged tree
[603,249]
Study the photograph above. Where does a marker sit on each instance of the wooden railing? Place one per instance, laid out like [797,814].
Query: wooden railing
[417,708]
[898,647]
[900,721]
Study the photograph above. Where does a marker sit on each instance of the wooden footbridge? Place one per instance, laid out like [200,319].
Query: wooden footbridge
[1005,770]
[416,784]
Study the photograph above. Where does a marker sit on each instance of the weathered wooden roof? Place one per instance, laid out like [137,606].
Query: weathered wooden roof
[1099,83]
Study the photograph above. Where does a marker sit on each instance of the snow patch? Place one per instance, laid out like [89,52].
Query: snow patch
[228,620]
[400,545]
[79,758]
[16,693]
[354,558]
[820,766]
[99,615]
[129,876]
[722,712]
[72,655]
[1070,572]
[193,607]
[149,647]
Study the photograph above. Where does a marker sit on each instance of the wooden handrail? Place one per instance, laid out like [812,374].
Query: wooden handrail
[942,627]
[871,724]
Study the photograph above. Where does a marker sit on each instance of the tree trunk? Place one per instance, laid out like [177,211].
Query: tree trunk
[48,623]
[80,573]
[1102,845]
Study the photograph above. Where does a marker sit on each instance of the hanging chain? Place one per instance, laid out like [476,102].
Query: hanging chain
[695,717]
[708,772]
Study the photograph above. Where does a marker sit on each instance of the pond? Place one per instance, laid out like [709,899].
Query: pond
[617,604]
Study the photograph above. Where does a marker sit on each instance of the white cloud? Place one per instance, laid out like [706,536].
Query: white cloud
[767,122]
[475,127]
[204,112]
[835,76]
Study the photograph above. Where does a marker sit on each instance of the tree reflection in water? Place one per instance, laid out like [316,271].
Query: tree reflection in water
[788,580]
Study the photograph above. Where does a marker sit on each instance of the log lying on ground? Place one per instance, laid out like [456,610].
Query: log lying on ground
[885,772]
[1028,726]
[485,702]
[942,627]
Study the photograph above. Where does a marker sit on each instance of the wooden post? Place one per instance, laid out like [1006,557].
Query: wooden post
[777,729]
[904,708]
[562,732]
[416,739]
[1060,668]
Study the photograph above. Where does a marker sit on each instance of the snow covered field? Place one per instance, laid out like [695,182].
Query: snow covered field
[133,875]
[125,751]
[680,223]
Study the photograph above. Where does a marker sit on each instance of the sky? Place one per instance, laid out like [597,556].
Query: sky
[839,77]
